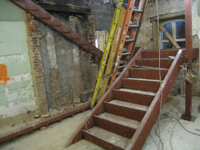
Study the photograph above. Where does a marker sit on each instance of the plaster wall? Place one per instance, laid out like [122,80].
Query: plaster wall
[17,95]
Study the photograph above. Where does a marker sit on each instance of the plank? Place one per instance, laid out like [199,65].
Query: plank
[169,36]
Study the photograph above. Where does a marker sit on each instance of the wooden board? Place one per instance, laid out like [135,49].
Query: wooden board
[169,36]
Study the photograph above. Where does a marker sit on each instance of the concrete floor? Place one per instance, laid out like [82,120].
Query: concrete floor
[55,137]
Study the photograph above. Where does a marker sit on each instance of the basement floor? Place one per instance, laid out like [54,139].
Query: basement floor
[57,134]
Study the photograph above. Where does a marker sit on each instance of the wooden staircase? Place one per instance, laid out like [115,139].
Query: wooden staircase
[127,112]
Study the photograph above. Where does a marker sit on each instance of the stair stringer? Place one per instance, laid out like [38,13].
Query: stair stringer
[108,96]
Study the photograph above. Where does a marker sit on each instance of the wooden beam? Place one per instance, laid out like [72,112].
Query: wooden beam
[155,34]
[176,15]
[169,36]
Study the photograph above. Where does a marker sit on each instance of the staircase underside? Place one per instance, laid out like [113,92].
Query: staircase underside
[125,115]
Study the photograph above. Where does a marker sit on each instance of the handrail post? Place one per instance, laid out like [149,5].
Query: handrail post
[188,39]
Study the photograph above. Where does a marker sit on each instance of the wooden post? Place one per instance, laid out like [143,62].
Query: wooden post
[188,39]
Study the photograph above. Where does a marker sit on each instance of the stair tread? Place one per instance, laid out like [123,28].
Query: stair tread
[142,79]
[129,105]
[138,91]
[120,120]
[153,59]
[84,145]
[149,68]
[109,137]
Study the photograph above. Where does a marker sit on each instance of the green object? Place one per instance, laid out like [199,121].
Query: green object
[10,11]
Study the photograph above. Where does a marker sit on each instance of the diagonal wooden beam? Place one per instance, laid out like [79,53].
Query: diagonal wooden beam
[169,36]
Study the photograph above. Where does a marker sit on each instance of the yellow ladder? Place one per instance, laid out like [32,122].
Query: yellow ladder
[106,50]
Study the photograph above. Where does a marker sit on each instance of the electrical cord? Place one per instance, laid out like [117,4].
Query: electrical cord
[172,130]
[153,140]
[186,129]
[171,136]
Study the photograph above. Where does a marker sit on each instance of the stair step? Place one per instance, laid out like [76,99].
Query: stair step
[147,73]
[142,85]
[155,53]
[119,125]
[138,91]
[106,139]
[84,145]
[125,109]
[141,79]
[147,67]
[135,98]
[153,62]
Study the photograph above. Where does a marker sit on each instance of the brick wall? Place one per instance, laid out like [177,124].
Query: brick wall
[36,64]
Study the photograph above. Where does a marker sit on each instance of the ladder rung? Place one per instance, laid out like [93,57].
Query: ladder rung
[117,74]
[121,62]
[122,66]
[123,54]
[137,10]
[130,40]
[127,36]
[134,26]
[125,50]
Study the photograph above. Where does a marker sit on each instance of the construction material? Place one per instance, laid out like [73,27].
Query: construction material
[107,50]
[47,18]
[112,53]
[169,36]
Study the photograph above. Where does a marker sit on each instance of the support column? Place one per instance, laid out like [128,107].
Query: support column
[188,39]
